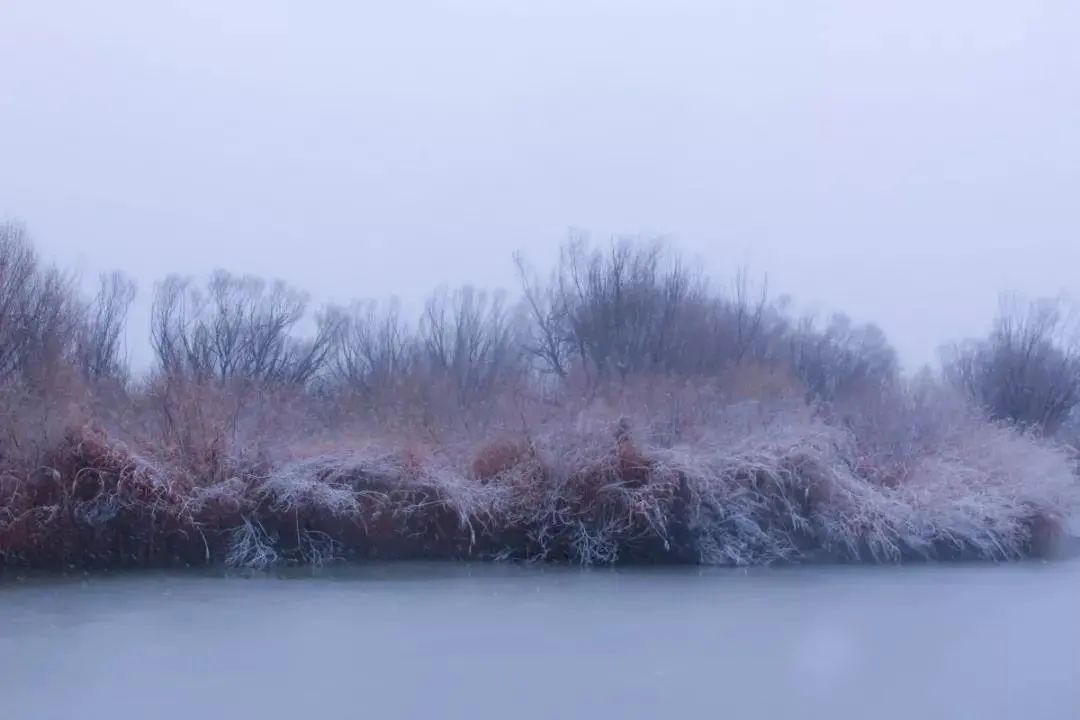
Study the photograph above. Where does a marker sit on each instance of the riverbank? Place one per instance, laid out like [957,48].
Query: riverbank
[624,410]
[782,487]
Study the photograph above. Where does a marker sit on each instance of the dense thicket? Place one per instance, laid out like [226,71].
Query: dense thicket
[622,407]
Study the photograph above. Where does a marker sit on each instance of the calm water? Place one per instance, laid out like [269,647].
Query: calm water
[423,641]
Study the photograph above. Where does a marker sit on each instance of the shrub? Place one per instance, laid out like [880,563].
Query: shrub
[658,421]
[1027,371]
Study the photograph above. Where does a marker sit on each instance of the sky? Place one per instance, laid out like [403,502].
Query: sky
[905,162]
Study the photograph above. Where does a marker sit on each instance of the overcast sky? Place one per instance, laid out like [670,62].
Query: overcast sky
[903,161]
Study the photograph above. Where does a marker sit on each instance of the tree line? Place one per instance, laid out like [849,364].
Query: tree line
[603,313]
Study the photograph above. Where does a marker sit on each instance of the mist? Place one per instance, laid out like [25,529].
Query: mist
[905,164]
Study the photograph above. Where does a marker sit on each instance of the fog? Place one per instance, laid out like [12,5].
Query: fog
[903,163]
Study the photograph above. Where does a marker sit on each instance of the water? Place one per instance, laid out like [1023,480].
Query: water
[475,642]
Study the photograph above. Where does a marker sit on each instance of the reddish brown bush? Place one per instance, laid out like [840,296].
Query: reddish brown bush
[497,458]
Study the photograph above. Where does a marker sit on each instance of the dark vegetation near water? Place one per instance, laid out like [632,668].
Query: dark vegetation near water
[621,408]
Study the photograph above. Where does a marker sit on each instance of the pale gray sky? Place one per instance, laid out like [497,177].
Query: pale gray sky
[903,161]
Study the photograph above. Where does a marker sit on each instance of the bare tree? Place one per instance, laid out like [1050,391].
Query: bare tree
[99,352]
[1027,371]
[239,327]
[467,336]
[306,358]
[547,337]
[268,350]
[40,312]
[637,307]
[174,329]
[375,349]
[620,306]
[842,358]
[711,332]
[749,312]
[18,274]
